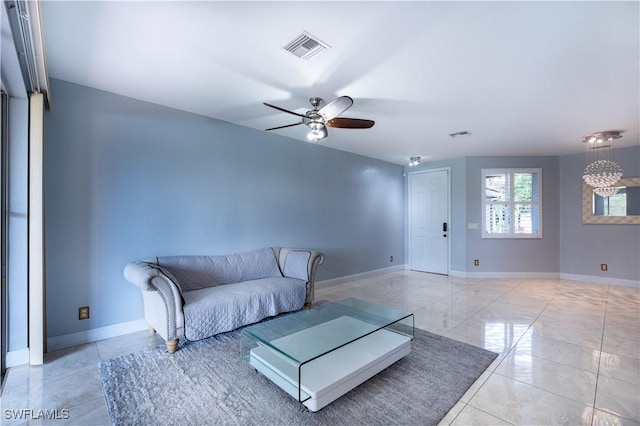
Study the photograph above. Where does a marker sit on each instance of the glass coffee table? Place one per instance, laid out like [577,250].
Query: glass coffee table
[319,354]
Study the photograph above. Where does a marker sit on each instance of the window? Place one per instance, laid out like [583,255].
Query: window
[511,203]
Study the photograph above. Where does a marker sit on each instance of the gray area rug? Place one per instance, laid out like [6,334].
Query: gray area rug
[207,383]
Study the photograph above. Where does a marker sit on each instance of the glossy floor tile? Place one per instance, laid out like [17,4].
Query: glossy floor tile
[569,352]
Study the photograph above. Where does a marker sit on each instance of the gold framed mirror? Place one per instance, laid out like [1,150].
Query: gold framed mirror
[620,209]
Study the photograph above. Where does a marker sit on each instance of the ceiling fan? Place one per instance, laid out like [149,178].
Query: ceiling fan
[319,119]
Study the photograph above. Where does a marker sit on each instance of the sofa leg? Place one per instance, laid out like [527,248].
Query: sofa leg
[172,346]
[307,305]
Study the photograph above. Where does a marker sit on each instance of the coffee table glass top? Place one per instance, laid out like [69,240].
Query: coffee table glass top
[335,324]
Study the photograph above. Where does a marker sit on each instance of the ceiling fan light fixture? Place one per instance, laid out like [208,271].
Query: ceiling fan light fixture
[318,132]
[315,126]
[316,136]
[414,161]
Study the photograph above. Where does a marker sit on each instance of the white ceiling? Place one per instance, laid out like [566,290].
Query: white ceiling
[524,78]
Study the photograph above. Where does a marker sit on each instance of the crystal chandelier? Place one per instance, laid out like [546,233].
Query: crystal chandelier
[602,172]
[609,191]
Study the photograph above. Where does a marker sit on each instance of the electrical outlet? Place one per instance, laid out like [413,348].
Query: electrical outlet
[604,267]
[476,262]
[390,258]
[83,313]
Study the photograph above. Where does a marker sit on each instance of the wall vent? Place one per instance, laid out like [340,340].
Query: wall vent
[306,46]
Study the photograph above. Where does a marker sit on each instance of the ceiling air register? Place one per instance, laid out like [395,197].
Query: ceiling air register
[306,46]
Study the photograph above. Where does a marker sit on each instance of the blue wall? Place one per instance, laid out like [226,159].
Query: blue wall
[514,255]
[585,247]
[568,248]
[498,255]
[128,180]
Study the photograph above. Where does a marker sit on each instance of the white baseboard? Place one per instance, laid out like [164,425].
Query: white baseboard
[548,275]
[95,334]
[498,275]
[341,280]
[15,358]
[601,280]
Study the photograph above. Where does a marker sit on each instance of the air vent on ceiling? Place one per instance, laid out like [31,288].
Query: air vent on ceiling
[306,46]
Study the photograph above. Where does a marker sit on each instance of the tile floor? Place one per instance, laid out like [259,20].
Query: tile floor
[569,351]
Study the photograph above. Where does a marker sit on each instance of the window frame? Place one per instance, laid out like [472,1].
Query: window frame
[511,202]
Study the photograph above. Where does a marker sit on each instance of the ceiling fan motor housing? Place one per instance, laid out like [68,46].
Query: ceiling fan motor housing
[315,102]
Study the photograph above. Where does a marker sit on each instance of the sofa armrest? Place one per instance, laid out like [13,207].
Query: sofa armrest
[301,264]
[152,278]
[141,274]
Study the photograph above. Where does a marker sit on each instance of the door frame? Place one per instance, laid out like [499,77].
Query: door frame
[409,204]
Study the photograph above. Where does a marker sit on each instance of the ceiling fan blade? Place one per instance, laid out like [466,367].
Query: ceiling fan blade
[350,123]
[283,110]
[282,127]
[336,107]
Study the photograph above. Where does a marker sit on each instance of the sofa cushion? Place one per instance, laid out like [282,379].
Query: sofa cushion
[197,272]
[296,264]
[258,264]
[214,310]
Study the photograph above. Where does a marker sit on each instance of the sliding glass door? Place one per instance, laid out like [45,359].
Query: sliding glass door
[4,133]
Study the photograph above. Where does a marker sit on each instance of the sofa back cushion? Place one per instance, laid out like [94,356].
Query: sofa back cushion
[296,264]
[257,264]
[196,272]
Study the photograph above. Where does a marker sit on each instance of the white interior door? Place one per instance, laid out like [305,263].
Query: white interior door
[429,221]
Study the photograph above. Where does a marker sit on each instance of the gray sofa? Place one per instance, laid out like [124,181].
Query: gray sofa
[195,297]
